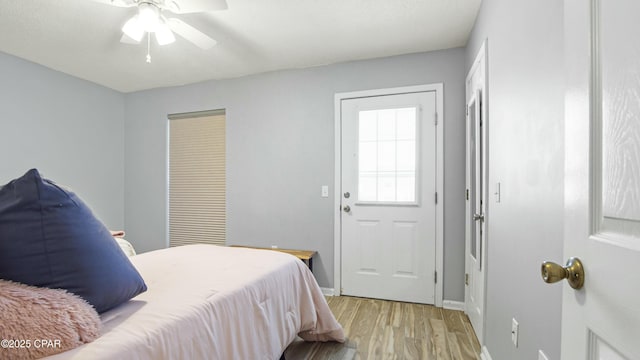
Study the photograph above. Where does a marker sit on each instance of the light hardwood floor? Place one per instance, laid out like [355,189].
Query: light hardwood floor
[380,329]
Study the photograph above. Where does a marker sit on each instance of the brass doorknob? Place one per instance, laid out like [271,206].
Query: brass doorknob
[572,271]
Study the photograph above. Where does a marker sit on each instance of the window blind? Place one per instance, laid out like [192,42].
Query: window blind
[197,201]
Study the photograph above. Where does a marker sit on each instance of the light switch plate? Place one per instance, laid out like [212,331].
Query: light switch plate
[325,191]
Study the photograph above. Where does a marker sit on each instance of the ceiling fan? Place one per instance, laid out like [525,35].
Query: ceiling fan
[150,19]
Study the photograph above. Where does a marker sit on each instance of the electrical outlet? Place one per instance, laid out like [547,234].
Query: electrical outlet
[514,332]
[274,246]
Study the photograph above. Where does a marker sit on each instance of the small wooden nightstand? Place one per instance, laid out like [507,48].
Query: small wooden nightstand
[305,255]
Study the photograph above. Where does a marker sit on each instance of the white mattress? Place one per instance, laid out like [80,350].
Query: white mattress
[213,302]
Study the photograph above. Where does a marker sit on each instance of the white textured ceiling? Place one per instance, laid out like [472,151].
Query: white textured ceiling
[81,37]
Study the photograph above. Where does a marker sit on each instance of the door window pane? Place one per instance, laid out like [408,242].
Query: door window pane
[386,187]
[386,124]
[387,156]
[387,147]
[406,187]
[368,160]
[367,189]
[368,126]
[406,151]
[406,124]
[474,166]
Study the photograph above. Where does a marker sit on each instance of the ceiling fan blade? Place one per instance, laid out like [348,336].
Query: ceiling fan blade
[190,33]
[193,6]
[118,3]
[127,40]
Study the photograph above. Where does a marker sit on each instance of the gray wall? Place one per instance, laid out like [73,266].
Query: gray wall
[280,150]
[526,139]
[70,129]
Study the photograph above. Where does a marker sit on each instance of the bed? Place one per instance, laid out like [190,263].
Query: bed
[214,302]
[60,267]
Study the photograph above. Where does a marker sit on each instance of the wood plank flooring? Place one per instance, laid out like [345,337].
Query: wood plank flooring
[381,329]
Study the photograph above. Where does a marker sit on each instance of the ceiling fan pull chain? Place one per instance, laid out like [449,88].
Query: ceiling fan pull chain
[149,48]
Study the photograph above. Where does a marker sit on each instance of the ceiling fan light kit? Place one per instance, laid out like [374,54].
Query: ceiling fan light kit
[133,29]
[148,16]
[164,35]
[150,20]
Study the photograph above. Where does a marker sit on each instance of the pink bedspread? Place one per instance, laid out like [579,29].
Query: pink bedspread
[213,302]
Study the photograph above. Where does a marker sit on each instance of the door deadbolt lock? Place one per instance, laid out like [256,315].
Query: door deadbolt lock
[573,271]
[347,195]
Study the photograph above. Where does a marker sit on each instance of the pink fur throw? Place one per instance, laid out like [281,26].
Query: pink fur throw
[37,322]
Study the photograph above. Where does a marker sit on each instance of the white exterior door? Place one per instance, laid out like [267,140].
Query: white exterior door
[602,179]
[389,196]
[475,229]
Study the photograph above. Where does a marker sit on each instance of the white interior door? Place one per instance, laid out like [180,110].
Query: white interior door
[476,180]
[475,215]
[602,179]
[389,196]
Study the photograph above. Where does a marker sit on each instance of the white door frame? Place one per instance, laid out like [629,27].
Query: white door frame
[470,90]
[337,225]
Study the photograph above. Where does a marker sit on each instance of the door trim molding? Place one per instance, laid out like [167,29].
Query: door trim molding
[337,211]
[453,305]
[484,355]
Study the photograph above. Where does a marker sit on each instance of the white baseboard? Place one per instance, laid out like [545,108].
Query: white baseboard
[484,355]
[453,305]
[328,291]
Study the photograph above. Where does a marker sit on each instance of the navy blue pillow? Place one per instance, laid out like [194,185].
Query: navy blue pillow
[50,238]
